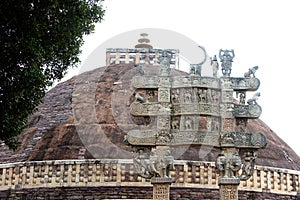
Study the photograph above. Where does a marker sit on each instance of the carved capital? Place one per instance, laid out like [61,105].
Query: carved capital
[229,163]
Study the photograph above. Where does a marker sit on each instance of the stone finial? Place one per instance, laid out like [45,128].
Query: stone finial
[143,42]
[226,58]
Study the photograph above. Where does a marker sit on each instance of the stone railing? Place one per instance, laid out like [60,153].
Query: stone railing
[192,174]
[139,56]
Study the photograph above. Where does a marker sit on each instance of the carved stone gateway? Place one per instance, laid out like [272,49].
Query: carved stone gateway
[195,110]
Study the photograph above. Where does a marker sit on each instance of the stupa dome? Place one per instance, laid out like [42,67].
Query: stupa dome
[52,132]
[76,136]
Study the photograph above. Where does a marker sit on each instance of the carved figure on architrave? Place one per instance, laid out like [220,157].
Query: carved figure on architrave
[164,95]
[215,96]
[150,95]
[202,120]
[164,123]
[164,81]
[215,124]
[175,96]
[175,109]
[187,96]
[242,97]
[241,124]
[226,58]
[188,123]
[164,137]
[241,138]
[253,99]
[241,83]
[209,123]
[205,108]
[175,123]
[208,96]
[251,71]
[240,109]
[227,139]
[202,95]
[227,95]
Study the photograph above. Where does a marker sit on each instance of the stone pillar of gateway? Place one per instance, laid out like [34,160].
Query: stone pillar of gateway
[178,105]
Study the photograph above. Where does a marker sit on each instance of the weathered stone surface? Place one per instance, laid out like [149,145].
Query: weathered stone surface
[52,131]
[97,193]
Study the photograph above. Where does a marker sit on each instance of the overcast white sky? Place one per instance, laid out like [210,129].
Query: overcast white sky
[262,32]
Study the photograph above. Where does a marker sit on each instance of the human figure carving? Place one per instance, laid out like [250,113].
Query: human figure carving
[242,97]
[187,96]
[188,123]
[215,66]
[175,96]
[215,96]
[150,96]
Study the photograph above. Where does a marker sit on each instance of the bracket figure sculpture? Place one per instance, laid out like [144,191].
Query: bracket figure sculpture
[177,105]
